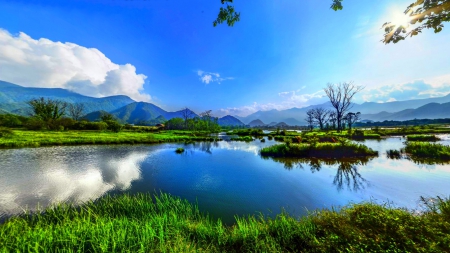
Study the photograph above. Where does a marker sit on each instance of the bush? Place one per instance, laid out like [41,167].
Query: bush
[10,120]
[114,126]
[179,150]
[34,123]
[5,132]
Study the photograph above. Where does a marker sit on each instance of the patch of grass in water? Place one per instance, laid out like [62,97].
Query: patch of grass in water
[422,137]
[426,150]
[179,150]
[319,150]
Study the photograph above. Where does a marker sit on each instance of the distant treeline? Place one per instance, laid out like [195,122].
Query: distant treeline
[413,122]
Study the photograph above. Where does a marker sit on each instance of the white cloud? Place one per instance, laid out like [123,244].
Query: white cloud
[45,63]
[418,89]
[208,77]
[290,99]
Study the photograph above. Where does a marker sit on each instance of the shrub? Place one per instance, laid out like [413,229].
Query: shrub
[5,132]
[10,120]
[179,150]
[35,124]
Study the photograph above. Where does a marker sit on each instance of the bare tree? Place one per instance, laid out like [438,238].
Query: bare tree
[76,111]
[321,116]
[332,119]
[310,118]
[341,96]
[186,114]
[351,119]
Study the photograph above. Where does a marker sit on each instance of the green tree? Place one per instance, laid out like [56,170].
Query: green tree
[47,109]
[424,14]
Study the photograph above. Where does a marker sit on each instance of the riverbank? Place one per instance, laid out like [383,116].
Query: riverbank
[163,223]
[29,138]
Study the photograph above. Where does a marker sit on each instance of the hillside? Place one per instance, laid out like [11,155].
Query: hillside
[255,123]
[13,98]
[229,121]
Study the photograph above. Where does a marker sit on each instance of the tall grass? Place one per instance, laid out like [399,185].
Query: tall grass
[319,150]
[428,150]
[163,223]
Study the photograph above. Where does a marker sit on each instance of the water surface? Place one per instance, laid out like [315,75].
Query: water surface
[225,178]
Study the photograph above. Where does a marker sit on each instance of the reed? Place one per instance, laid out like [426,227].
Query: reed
[164,223]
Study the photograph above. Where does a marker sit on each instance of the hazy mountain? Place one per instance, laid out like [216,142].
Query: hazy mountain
[281,124]
[229,121]
[369,110]
[256,122]
[428,111]
[396,106]
[13,98]
[292,122]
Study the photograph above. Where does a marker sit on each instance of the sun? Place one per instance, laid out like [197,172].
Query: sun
[400,19]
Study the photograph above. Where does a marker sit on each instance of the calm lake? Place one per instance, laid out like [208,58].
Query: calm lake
[225,178]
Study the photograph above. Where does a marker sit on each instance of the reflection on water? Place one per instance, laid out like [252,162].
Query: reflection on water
[347,174]
[50,175]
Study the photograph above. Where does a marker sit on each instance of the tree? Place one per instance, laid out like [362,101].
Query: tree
[341,96]
[76,111]
[332,119]
[186,114]
[430,13]
[47,109]
[351,119]
[310,118]
[321,116]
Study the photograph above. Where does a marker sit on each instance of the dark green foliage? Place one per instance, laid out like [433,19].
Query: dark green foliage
[163,223]
[422,137]
[318,150]
[394,154]
[179,150]
[35,123]
[86,125]
[12,120]
[227,14]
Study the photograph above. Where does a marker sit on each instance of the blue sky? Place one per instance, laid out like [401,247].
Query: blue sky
[280,55]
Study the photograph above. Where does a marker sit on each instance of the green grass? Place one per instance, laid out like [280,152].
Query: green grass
[320,150]
[28,138]
[426,150]
[422,137]
[242,138]
[163,223]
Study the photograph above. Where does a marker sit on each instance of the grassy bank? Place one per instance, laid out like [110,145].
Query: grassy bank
[29,138]
[168,224]
[426,150]
[320,150]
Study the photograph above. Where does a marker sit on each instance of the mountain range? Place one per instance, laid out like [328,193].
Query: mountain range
[430,108]
[13,99]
